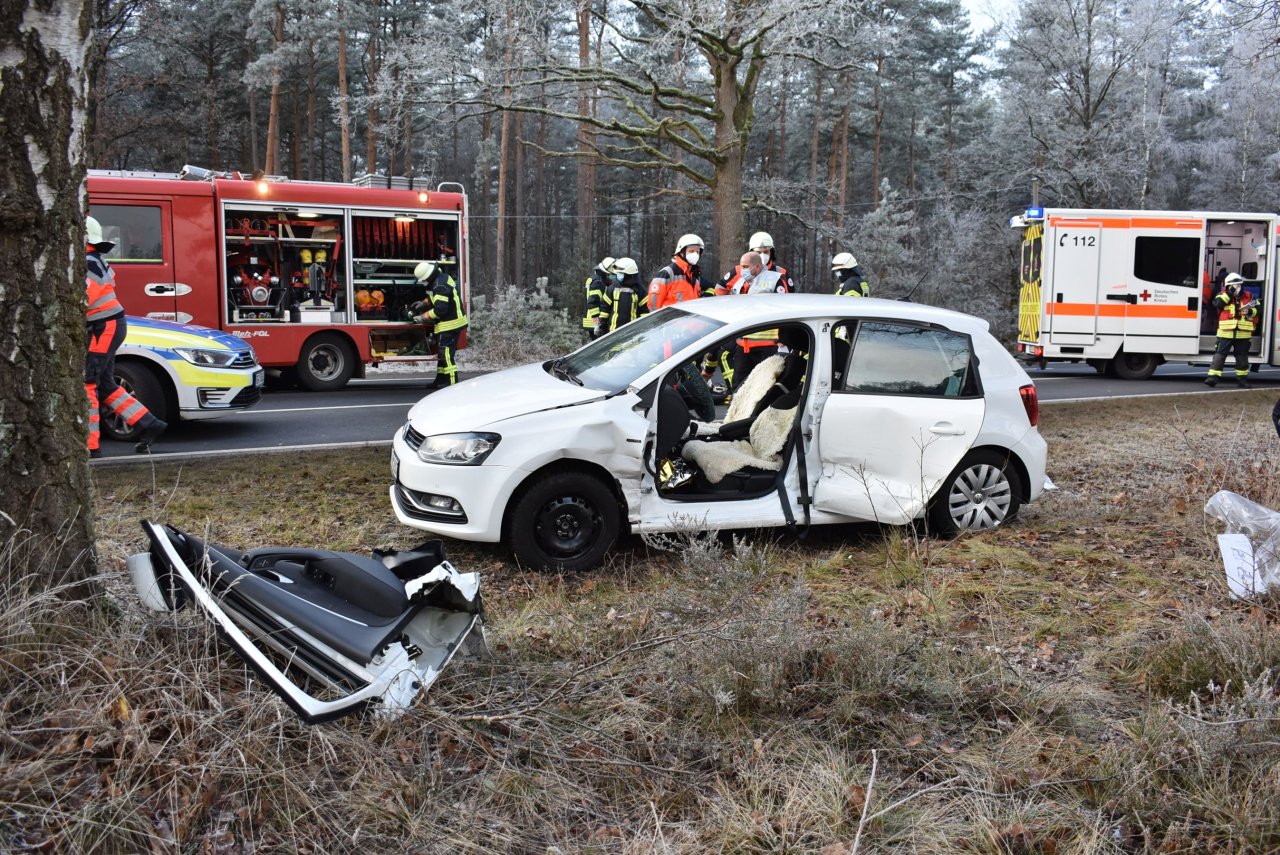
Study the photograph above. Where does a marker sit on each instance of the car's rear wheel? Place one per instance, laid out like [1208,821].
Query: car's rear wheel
[564,521]
[1135,366]
[142,383]
[983,492]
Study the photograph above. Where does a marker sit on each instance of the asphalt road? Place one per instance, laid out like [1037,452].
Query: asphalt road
[368,412]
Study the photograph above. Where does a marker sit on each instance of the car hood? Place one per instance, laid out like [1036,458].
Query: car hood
[493,398]
[168,335]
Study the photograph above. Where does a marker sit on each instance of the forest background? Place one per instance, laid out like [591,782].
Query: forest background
[897,129]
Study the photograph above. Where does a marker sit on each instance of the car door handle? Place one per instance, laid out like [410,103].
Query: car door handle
[946,429]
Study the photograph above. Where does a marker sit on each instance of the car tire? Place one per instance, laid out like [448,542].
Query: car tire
[564,521]
[1135,366]
[142,383]
[326,363]
[984,491]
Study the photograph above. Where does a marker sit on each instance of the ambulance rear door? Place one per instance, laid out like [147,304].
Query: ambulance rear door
[1071,301]
[1163,293]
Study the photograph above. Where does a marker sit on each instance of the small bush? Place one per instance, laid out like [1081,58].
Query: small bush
[516,326]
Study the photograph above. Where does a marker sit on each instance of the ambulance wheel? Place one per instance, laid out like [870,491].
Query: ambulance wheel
[1135,366]
[564,521]
[326,362]
[983,492]
[142,383]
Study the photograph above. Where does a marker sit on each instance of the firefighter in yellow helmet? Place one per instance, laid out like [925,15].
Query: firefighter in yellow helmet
[595,285]
[1237,319]
[850,280]
[445,311]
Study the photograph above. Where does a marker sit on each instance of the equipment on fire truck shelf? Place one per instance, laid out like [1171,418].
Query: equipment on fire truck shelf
[1127,290]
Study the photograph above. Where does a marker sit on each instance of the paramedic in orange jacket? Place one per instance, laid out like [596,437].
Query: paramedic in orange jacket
[105,322]
[681,279]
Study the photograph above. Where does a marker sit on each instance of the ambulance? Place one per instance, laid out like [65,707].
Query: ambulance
[316,276]
[1125,291]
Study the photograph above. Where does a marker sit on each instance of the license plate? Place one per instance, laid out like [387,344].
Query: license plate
[259,378]
[395,468]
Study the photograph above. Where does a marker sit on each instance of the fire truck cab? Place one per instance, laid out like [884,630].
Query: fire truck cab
[1126,291]
[317,276]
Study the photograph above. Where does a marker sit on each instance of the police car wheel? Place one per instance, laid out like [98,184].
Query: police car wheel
[564,521]
[983,492]
[140,382]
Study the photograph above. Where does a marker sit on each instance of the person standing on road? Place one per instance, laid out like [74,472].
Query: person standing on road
[106,325]
[595,285]
[623,299]
[1237,317]
[681,279]
[446,313]
[850,280]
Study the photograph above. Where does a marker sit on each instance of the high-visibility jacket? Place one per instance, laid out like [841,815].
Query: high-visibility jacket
[1237,316]
[854,284]
[100,289]
[675,283]
[621,303]
[595,285]
[446,305]
[768,282]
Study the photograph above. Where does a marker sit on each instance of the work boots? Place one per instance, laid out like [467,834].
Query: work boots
[1242,382]
[150,434]
[1211,382]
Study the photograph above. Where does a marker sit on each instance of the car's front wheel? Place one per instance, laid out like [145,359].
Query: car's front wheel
[982,492]
[564,521]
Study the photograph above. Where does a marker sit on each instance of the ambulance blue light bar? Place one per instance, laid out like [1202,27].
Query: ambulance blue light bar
[1034,214]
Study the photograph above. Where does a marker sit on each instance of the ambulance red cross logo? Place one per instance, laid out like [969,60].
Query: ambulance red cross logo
[1145,295]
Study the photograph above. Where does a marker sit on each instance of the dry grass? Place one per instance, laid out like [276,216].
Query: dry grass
[1078,682]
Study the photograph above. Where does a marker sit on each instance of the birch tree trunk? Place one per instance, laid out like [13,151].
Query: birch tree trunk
[46,506]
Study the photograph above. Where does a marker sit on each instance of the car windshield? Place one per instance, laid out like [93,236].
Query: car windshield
[613,363]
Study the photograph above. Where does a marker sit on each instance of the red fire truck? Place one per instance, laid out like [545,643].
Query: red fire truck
[317,276]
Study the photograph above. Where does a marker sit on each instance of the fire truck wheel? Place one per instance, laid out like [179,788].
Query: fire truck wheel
[140,382]
[1135,366]
[982,492]
[326,363]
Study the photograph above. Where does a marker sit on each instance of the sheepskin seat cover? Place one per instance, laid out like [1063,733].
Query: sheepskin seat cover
[762,450]
[746,396]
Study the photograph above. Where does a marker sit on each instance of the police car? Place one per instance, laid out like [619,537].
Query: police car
[182,371]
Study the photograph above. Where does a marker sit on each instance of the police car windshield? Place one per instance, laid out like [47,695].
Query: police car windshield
[613,363]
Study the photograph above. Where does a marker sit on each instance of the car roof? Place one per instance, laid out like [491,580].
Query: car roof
[795,307]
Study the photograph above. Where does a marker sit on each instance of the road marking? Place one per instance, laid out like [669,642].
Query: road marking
[257,411]
[1152,395]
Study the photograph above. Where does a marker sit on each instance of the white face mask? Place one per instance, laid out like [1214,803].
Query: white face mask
[764,255]
[692,257]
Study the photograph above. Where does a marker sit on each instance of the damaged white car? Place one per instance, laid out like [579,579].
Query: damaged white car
[871,410]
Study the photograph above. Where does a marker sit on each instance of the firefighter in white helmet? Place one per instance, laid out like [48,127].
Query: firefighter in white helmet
[595,285]
[442,308]
[850,280]
[1237,319]
[623,299]
[105,328]
[681,279]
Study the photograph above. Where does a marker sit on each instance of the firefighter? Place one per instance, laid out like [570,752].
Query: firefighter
[595,285]
[681,279]
[105,325]
[850,280]
[1237,317]
[446,313]
[623,299]
[770,278]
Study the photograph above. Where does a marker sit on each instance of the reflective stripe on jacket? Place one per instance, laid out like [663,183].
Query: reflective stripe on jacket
[446,306]
[595,285]
[1235,319]
[673,284]
[100,289]
[853,285]
[622,305]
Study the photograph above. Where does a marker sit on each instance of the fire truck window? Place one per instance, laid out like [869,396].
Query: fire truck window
[1167,260]
[897,359]
[135,230]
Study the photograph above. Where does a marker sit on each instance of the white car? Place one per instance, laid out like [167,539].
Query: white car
[873,410]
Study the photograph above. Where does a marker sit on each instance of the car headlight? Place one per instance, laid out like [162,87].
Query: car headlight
[200,356]
[466,449]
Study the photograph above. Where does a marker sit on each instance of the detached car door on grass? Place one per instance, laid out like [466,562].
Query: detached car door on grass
[905,407]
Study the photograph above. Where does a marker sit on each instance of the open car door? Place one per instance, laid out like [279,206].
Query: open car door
[904,409]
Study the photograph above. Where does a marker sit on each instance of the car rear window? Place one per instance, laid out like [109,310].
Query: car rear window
[888,358]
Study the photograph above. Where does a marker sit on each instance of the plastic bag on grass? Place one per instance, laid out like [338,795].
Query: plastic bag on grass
[1251,547]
